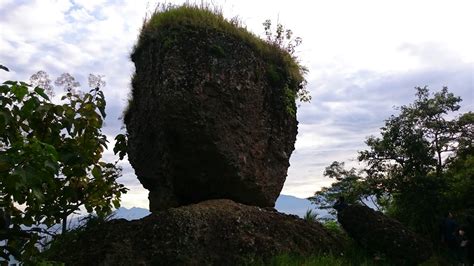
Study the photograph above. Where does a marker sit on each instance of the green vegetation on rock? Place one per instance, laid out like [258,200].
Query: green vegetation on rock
[283,70]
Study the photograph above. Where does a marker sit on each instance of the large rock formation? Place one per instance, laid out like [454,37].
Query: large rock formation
[212,116]
[381,234]
[212,113]
[217,232]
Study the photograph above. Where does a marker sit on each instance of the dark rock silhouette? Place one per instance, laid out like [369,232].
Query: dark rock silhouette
[379,233]
[211,115]
[216,232]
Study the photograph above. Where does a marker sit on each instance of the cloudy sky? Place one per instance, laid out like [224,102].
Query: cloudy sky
[364,57]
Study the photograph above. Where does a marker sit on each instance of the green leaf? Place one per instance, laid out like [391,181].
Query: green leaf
[10,82]
[5,116]
[6,100]
[4,166]
[89,107]
[20,91]
[51,165]
[97,172]
[4,88]
[78,171]
[50,150]
[120,145]
[38,195]
[116,203]
[28,107]
[40,91]
[69,112]
[101,106]
[58,110]
[102,111]
[67,156]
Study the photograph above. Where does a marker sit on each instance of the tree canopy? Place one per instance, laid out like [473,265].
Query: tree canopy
[420,165]
[51,160]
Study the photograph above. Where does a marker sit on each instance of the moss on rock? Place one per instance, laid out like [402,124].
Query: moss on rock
[283,69]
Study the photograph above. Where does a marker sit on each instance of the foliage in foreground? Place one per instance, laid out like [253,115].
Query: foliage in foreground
[57,243]
[51,162]
[310,215]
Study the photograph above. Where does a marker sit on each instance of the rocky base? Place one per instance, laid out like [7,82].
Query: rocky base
[215,232]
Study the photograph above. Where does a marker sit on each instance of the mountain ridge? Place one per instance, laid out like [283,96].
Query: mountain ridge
[285,203]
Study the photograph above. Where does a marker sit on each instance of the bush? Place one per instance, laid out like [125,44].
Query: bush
[51,163]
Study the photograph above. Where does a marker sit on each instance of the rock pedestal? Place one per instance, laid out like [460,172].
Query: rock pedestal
[217,232]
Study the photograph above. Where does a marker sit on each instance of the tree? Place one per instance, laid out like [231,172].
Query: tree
[51,161]
[422,159]
[460,168]
[414,143]
[408,161]
[348,184]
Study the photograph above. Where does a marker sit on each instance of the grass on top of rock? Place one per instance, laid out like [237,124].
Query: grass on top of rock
[206,16]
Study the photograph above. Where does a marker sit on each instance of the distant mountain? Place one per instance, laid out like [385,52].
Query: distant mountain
[133,213]
[297,206]
[285,204]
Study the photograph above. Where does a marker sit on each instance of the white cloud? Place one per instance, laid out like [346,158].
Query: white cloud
[6,2]
[35,21]
[81,15]
[89,5]
[137,196]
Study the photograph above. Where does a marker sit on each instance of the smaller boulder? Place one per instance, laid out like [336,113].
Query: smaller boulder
[379,233]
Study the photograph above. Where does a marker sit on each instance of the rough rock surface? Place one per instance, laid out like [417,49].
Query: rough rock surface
[208,119]
[216,232]
[379,233]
